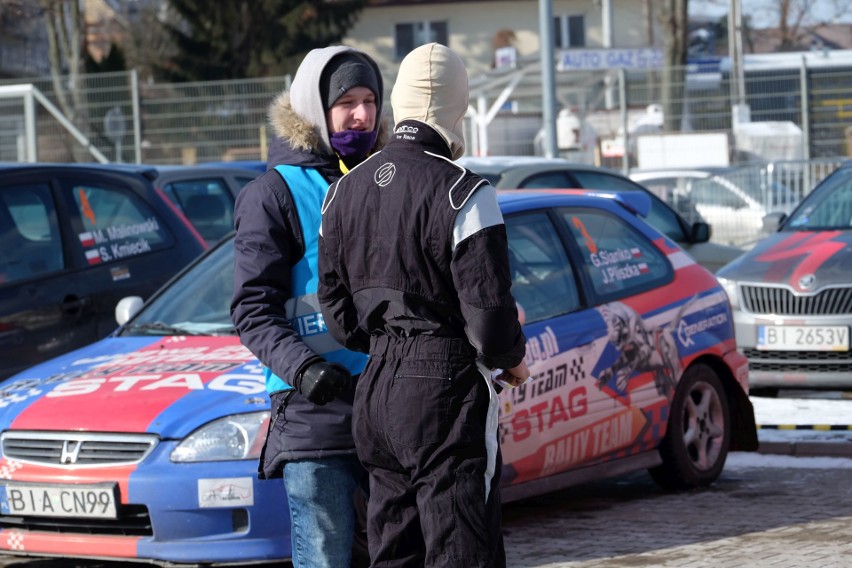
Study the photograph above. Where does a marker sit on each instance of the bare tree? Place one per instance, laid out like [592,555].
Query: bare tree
[66,36]
[673,19]
[796,19]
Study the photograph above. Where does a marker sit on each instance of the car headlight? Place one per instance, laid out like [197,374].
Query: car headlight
[235,437]
[730,287]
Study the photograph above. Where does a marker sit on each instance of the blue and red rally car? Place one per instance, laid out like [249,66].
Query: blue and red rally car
[145,445]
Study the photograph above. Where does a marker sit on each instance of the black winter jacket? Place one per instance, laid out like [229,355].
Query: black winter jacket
[268,244]
[388,265]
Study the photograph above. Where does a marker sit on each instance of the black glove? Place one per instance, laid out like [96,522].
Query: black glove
[322,381]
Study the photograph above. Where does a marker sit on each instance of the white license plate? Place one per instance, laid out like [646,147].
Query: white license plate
[91,501]
[803,338]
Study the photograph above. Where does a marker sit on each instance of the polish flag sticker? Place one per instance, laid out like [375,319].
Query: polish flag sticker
[87,239]
[93,256]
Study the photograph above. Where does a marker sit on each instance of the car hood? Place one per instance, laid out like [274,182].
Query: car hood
[167,386]
[804,260]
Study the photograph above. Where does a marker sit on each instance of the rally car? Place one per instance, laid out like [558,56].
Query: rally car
[145,445]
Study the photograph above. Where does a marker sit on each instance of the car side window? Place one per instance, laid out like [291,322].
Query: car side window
[30,242]
[618,259]
[114,224]
[207,203]
[543,280]
[711,192]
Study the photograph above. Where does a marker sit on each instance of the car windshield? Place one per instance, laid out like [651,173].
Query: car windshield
[197,303]
[829,206]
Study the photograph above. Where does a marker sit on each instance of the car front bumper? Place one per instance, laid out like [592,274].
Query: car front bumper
[172,514]
[796,368]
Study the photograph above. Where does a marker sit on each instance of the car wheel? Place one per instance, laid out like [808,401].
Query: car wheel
[696,444]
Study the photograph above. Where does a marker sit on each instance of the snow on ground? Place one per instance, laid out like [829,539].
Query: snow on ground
[817,411]
[812,411]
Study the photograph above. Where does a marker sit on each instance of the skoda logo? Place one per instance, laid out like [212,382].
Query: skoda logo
[807,281]
[384,174]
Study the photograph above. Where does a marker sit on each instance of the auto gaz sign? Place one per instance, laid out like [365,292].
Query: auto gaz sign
[597,59]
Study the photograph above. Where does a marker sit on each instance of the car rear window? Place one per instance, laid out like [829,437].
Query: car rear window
[115,224]
[619,260]
[207,203]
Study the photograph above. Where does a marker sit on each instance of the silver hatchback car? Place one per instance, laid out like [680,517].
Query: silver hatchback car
[792,294]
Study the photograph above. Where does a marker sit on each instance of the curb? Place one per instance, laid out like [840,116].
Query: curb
[807,449]
[838,445]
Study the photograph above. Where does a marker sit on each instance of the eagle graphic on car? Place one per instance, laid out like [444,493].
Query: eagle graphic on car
[641,348]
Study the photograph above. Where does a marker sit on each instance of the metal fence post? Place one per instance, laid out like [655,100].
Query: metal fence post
[137,125]
[806,125]
[30,128]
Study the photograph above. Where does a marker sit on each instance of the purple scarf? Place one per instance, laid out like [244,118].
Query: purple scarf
[353,144]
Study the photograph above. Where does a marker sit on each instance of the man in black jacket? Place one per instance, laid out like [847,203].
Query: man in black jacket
[328,122]
[414,270]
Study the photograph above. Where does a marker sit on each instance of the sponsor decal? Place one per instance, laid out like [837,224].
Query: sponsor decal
[405,129]
[547,414]
[686,331]
[310,324]
[119,273]
[226,492]
[608,435]
[542,347]
[384,174]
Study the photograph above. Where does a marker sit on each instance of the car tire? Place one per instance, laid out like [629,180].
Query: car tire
[696,443]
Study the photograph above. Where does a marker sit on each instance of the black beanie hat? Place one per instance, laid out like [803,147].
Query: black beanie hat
[343,72]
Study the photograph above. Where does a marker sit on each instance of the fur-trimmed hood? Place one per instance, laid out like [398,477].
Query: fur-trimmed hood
[302,135]
[299,116]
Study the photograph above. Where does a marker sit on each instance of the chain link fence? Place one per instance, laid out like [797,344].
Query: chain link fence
[759,152]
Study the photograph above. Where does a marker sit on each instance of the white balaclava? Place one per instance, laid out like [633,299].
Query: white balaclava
[432,87]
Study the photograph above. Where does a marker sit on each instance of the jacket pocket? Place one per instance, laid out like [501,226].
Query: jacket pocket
[419,403]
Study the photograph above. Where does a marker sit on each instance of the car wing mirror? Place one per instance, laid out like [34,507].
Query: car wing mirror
[772,221]
[700,232]
[127,308]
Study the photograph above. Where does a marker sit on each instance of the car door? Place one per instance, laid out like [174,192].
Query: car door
[544,423]
[121,243]
[38,309]
[589,400]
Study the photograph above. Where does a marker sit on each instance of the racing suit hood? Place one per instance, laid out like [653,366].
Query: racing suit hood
[299,115]
[432,87]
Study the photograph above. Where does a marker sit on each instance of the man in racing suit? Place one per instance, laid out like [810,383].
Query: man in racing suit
[327,122]
[414,269]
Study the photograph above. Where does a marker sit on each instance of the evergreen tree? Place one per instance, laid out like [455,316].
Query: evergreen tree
[239,39]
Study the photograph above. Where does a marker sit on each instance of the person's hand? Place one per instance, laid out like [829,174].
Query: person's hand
[513,377]
[520,372]
[322,381]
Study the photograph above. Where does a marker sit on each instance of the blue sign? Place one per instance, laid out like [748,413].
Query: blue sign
[596,59]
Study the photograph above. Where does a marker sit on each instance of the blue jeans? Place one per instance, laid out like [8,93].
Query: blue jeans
[322,513]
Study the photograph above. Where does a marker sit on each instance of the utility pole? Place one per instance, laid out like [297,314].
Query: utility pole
[548,83]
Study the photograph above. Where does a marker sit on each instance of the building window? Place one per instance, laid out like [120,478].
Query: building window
[410,35]
[569,31]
